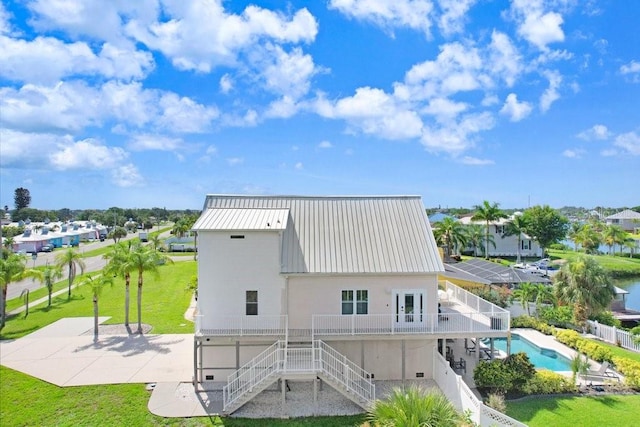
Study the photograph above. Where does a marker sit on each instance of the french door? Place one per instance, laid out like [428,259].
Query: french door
[409,306]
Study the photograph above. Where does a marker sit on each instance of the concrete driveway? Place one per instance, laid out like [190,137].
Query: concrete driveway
[62,355]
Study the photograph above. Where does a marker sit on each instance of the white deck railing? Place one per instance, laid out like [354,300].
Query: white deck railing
[389,324]
[267,325]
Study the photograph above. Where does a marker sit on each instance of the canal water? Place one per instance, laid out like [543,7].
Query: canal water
[632,286]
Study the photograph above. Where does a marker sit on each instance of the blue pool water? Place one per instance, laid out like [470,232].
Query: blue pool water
[541,358]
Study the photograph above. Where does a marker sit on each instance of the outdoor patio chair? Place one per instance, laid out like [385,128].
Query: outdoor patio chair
[460,365]
[605,372]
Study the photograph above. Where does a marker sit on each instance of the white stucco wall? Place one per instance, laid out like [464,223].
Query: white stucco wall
[310,295]
[227,268]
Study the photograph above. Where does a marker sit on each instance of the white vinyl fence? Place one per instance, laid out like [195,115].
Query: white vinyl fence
[613,335]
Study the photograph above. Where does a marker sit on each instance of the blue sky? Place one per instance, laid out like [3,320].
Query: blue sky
[157,103]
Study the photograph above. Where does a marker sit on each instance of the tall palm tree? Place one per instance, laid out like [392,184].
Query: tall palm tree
[516,227]
[48,276]
[475,237]
[145,260]
[97,284]
[544,295]
[414,407]
[71,259]
[585,284]
[488,213]
[12,269]
[589,238]
[156,242]
[574,233]
[450,233]
[120,264]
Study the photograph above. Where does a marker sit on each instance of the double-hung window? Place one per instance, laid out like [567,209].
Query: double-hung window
[355,301]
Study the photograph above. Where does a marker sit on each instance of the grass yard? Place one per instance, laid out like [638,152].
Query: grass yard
[611,410]
[27,401]
[164,302]
[619,266]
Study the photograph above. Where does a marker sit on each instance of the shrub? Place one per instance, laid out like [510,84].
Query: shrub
[594,350]
[496,401]
[568,337]
[606,318]
[502,376]
[531,322]
[548,382]
[630,369]
[559,316]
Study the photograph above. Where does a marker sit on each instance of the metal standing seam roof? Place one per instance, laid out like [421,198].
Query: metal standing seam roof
[242,219]
[343,234]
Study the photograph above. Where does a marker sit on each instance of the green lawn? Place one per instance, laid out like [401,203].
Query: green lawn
[27,401]
[610,411]
[164,302]
[619,266]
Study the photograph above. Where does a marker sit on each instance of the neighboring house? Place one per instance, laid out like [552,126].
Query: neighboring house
[505,245]
[627,219]
[338,289]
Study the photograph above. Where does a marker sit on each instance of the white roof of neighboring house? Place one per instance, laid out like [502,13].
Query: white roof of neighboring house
[242,219]
[625,214]
[349,235]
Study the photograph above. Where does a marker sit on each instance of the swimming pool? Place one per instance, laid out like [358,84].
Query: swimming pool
[540,357]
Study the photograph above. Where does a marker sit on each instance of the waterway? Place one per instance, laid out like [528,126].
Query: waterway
[632,285]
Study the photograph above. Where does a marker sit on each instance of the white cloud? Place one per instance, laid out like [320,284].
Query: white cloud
[299,166]
[444,108]
[5,25]
[226,83]
[184,115]
[389,14]
[514,109]
[180,37]
[211,150]
[504,59]
[551,94]
[87,154]
[451,20]
[234,161]
[632,69]
[286,73]
[535,25]
[21,150]
[473,161]
[146,142]
[325,144]
[596,132]
[629,142]
[456,137]
[126,176]
[575,153]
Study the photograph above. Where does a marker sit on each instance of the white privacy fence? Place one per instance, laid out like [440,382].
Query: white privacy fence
[613,335]
[463,398]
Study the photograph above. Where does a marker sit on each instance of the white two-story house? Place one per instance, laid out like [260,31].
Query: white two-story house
[503,244]
[338,289]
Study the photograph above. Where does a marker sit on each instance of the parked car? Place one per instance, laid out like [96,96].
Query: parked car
[46,248]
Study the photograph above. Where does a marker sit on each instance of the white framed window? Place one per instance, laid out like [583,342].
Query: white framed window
[355,301]
[526,244]
[252,303]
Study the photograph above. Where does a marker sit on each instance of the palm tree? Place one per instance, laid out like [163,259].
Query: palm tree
[583,283]
[414,407]
[156,242]
[516,227]
[72,260]
[145,260]
[487,213]
[12,269]
[450,233]
[524,294]
[48,276]
[613,235]
[589,238]
[120,264]
[574,233]
[475,237]
[97,284]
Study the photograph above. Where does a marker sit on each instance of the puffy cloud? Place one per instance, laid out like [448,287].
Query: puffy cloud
[234,161]
[629,142]
[287,73]
[126,176]
[456,137]
[181,37]
[325,144]
[47,60]
[88,153]
[514,109]
[226,83]
[184,115]
[453,13]
[389,14]
[596,132]
[573,153]
[22,150]
[632,69]
[535,25]
[504,58]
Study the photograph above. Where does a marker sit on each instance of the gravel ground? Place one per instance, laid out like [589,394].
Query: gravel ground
[299,400]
